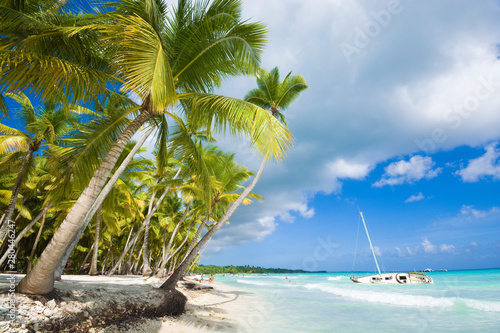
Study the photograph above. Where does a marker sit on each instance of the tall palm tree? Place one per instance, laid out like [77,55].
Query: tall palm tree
[165,57]
[42,128]
[271,95]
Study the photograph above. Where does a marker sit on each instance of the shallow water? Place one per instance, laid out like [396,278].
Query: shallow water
[458,301]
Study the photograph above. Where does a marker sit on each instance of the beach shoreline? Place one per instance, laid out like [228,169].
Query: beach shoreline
[220,309]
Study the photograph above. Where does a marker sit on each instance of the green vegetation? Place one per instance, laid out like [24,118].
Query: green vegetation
[74,185]
[210,269]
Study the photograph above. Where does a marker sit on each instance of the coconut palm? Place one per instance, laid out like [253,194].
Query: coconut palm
[42,127]
[46,51]
[271,95]
[166,57]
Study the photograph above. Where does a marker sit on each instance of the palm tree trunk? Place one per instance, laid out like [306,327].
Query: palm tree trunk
[93,265]
[15,191]
[25,230]
[98,203]
[129,265]
[181,270]
[82,266]
[32,254]
[161,271]
[128,262]
[128,245]
[119,268]
[41,279]
[146,221]
[166,252]
[195,238]
[145,251]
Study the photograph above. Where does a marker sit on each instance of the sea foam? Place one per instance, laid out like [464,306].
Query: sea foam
[334,278]
[385,298]
[256,283]
[483,305]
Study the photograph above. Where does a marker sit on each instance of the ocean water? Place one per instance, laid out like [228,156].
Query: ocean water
[458,301]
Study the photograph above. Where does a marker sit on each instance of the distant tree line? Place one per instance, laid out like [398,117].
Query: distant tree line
[211,269]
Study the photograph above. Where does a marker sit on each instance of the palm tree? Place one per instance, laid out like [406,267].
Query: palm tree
[46,51]
[42,128]
[162,58]
[271,95]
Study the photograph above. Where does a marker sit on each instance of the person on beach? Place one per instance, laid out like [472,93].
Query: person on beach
[67,267]
[211,279]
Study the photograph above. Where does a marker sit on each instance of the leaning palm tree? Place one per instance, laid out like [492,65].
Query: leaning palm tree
[271,95]
[42,128]
[165,57]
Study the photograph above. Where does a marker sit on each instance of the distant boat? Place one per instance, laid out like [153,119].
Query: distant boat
[390,278]
[428,270]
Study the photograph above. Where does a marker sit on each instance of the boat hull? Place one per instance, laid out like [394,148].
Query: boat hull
[394,278]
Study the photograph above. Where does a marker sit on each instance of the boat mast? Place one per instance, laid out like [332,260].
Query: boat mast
[369,240]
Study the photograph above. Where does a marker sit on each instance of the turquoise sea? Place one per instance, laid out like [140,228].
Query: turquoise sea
[458,301]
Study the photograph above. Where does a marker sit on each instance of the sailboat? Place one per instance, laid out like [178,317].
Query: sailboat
[390,278]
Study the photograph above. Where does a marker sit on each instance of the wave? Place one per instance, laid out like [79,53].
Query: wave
[482,305]
[386,298]
[256,283]
[334,278]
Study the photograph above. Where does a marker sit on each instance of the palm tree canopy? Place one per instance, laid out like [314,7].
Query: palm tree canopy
[273,95]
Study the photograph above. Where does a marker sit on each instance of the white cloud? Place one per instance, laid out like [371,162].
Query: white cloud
[428,246]
[377,251]
[473,244]
[487,165]
[415,197]
[387,102]
[479,214]
[413,170]
[445,248]
[408,251]
[342,169]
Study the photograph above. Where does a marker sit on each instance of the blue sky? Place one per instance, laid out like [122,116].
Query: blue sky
[402,119]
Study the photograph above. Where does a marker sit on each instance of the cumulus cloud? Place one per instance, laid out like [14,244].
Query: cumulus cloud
[407,251]
[445,248]
[378,251]
[415,197]
[413,170]
[428,246]
[343,169]
[428,94]
[485,166]
[478,214]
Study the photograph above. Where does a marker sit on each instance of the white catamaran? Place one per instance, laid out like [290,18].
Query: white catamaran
[389,278]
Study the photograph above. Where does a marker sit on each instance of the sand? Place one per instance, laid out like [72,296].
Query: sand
[222,309]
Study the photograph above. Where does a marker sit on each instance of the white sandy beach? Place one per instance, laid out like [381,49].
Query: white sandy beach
[222,309]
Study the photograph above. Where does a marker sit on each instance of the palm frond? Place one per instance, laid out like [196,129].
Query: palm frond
[268,135]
